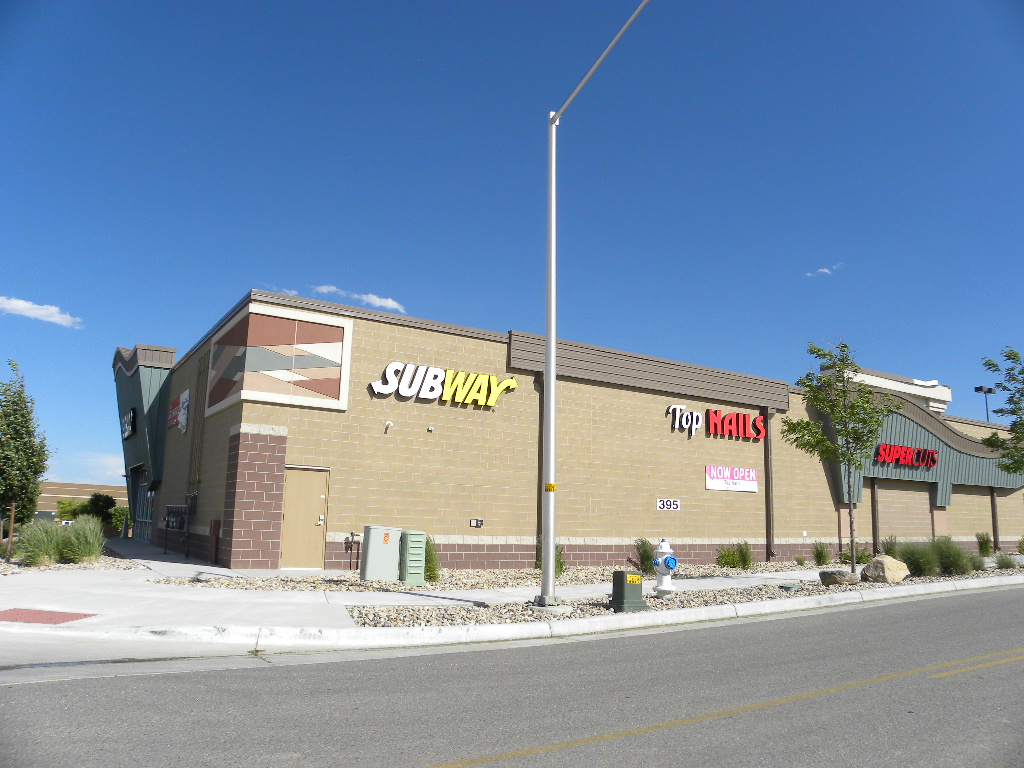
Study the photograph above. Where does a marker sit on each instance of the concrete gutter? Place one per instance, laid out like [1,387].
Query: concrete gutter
[277,637]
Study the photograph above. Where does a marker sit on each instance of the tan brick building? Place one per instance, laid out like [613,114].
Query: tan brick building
[294,423]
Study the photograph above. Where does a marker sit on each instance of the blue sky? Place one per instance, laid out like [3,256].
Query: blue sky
[739,178]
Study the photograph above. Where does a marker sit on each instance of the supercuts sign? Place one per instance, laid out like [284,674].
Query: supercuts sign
[426,382]
[905,454]
[727,425]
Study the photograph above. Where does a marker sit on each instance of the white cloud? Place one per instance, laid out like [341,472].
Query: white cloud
[367,298]
[97,468]
[826,270]
[45,312]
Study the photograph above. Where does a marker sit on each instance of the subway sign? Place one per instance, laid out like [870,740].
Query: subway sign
[907,455]
[429,383]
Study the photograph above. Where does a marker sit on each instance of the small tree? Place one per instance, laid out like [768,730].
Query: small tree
[23,453]
[100,505]
[1011,447]
[853,411]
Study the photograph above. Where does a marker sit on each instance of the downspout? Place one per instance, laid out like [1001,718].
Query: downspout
[995,519]
[769,498]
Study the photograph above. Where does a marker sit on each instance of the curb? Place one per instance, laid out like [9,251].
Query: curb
[365,638]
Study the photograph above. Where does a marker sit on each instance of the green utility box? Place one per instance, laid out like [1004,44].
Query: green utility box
[627,592]
[412,567]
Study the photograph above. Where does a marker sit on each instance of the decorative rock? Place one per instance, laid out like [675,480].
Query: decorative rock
[836,578]
[885,570]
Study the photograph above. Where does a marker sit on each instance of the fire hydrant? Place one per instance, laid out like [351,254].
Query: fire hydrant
[665,562]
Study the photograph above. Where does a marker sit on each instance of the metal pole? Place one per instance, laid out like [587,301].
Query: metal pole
[547,527]
[548,556]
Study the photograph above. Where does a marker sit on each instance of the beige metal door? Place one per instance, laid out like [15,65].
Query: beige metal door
[304,520]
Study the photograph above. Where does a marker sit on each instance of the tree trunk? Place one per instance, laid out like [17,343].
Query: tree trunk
[10,534]
[853,537]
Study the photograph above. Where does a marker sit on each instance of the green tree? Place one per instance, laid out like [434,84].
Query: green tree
[851,413]
[1012,446]
[23,453]
[100,505]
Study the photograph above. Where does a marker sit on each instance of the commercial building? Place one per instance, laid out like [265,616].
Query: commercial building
[293,423]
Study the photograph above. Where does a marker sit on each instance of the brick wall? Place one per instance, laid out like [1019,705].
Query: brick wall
[253,500]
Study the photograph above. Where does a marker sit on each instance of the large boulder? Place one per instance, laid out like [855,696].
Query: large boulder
[833,578]
[885,570]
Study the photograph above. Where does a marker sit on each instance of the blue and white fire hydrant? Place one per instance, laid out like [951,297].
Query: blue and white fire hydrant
[665,562]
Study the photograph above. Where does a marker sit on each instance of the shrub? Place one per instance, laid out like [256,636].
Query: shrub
[984,543]
[1004,560]
[952,560]
[83,541]
[644,557]
[863,555]
[118,516]
[99,505]
[800,560]
[890,546]
[39,543]
[735,556]
[68,509]
[1020,545]
[559,559]
[919,558]
[431,567]
[820,553]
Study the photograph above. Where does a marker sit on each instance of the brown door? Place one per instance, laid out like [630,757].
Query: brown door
[304,520]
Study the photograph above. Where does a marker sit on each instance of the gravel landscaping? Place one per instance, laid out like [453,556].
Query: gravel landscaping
[511,613]
[108,561]
[418,616]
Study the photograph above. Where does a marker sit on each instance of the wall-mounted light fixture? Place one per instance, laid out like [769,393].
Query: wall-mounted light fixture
[476,522]
[388,425]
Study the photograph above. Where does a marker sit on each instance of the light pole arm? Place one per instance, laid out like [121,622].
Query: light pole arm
[555,115]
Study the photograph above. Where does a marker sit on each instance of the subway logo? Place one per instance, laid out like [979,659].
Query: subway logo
[429,383]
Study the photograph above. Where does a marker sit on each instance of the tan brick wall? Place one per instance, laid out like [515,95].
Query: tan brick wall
[904,510]
[618,455]
[1011,516]
[969,512]
[803,494]
[974,431]
[476,463]
[213,459]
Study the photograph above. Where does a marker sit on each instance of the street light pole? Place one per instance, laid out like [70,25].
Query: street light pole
[548,556]
[986,391]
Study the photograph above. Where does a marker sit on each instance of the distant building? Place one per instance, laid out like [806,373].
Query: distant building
[50,492]
[294,422]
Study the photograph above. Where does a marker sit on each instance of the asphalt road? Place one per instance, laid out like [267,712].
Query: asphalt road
[925,682]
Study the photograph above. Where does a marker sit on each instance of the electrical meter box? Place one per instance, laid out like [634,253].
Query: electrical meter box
[412,566]
[627,592]
[380,553]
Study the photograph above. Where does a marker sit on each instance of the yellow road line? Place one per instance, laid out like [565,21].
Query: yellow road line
[540,750]
[978,666]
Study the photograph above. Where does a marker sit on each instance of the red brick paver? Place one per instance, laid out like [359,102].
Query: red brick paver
[29,616]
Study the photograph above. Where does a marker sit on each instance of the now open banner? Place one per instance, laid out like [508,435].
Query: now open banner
[730,479]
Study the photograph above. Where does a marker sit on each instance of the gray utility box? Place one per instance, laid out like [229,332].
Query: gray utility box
[380,553]
[412,567]
[627,592]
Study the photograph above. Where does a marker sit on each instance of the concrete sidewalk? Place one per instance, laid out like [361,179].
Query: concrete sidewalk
[124,605]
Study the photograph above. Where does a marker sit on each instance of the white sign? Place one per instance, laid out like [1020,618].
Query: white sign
[730,479]
[670,504]
[683,419]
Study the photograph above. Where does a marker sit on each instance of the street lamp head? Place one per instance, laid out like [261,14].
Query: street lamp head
[985,390]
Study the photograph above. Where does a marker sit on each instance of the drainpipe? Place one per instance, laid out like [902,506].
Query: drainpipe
[769,497]
[995,519]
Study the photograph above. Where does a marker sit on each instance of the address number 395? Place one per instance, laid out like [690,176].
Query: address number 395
[668,504]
